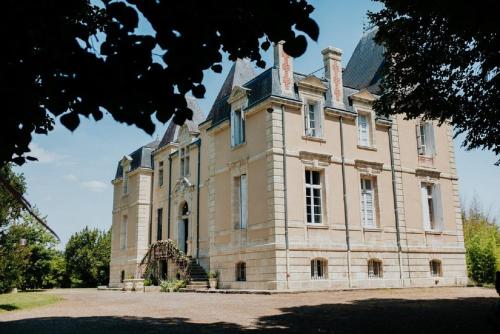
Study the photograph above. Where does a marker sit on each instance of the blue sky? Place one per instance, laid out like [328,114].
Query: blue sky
[71,182]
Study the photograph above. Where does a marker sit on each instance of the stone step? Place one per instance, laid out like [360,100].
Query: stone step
[203,283]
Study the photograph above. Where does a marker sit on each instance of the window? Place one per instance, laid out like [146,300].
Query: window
[160,174]
[368,203]
[425,139]
[159,226]
[364,130]
[312,120]
[242,193]
[241,272]
[184,158]
[319,268]
[237,127]
[126,169]
[122,276]
[435,267]
[374,268]
[123,233]
[313,197]
[431,206]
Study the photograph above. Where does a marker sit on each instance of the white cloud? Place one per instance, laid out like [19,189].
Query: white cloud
[94,185]
[70,177]
[43,155]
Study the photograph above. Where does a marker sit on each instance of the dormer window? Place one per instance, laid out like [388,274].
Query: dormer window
[312,120]
[365,130]
[184,159]
[425,139]
[126,169]
[237,127]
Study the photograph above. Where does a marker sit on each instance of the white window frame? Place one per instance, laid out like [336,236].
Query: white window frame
[319,269]
[313,121]
[364,139]
[432,209]
[184,161]
[237,127]
[243,201]
[365,193]
[123,232]
[312,187]
[426,141]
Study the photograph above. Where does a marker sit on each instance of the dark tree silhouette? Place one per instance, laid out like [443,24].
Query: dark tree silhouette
[53,66]
[443,63]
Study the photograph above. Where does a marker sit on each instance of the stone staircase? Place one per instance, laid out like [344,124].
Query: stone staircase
[198,275]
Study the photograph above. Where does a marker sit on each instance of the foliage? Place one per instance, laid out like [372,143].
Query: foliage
[87,257]
[25,300]
[482,243]
[172,285]
[213,274]
[79,58]
[28,266]
[163,250]
[148,282]
[442,62]
[10,209]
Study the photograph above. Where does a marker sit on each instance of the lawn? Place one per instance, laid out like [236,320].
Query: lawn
[24,300]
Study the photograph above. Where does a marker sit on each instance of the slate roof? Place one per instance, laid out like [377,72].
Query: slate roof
[172,131]
[364,69]
[142,157]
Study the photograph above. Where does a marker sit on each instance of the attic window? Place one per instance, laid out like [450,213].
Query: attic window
[237,127]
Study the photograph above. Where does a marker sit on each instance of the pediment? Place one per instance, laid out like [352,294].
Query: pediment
[312,83]
[237,93]
[363,96]
[182,184]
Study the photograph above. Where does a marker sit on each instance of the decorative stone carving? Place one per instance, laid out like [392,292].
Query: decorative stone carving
[368,167]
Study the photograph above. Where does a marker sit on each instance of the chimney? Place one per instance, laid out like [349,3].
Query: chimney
[284,63]
[332,58]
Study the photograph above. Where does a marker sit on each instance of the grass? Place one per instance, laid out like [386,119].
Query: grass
[25,300]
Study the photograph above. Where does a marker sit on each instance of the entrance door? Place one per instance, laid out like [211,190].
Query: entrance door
[183,235]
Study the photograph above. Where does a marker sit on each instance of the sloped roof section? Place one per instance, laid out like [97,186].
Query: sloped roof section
[173,129]
[364,69]
[142,157]
[241,72]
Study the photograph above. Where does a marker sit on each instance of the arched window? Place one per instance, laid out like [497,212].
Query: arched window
[319,268]
[241,271]
[374,268]
[435,267]
[122,276]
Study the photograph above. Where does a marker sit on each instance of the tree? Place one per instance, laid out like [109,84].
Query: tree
[74,58]
[10,208]
[27,265]
[482,244]
[87,255]
[442,62]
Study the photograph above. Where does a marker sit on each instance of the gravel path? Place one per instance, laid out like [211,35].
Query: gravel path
[438,310]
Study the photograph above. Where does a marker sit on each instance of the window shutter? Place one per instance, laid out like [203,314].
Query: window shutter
[429,138]
[425,207]
[232,128]
[242,126]
[243,201]
[420,148]
[438,206]
[319,121]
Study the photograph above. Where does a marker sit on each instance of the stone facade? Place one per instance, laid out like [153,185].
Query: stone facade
[354,241]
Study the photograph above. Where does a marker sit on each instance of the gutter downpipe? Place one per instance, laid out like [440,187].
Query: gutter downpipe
[396,212]
[346,214]
[150,232]
[169,192]
[198,143]
[287,245]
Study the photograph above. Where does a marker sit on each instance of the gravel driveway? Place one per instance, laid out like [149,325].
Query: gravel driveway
[438,310]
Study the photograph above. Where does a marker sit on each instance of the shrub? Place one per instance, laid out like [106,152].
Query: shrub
[172,285]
